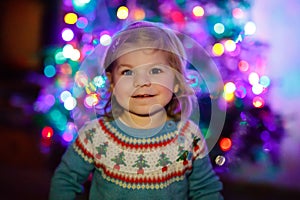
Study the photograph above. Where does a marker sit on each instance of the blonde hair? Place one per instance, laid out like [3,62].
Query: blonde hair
[147,35]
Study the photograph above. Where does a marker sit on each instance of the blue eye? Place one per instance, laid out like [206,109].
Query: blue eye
[127,72]
[155,71]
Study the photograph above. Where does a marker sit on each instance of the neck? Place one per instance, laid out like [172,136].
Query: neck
[143,121]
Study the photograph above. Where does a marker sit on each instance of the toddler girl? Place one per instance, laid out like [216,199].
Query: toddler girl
[145,146]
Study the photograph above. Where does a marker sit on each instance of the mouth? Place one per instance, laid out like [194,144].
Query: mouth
[142,96]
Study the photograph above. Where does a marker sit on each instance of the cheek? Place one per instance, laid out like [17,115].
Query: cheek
[122,83]
[122,88]
[165,81]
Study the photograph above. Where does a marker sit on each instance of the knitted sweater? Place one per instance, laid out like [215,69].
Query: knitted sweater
[168,162]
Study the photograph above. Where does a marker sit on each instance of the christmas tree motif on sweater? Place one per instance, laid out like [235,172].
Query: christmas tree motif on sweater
[141,163]
[101,150]
[183,155]
[89,134]
[195,143]
[163,161]
[119,160]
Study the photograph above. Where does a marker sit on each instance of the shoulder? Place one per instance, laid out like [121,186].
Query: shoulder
[89,130]
[92,124]
[195,139]
[189,126]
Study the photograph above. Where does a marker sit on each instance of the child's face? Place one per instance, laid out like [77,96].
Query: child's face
[142,82]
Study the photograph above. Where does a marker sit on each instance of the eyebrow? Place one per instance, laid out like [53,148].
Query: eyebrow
[124,65]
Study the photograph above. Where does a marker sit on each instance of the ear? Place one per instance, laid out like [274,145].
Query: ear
[176,88]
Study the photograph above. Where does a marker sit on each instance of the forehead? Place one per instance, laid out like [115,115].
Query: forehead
[143,56]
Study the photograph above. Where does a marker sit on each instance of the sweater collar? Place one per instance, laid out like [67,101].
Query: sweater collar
[167,127]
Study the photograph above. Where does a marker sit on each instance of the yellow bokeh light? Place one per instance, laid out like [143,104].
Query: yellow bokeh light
[70,18]
[228,96]
[122,12]
[218,49]
[198,11]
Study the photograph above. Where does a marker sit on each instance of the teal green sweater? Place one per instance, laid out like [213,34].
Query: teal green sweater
[168,162]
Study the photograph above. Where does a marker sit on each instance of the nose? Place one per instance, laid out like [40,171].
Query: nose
[141,79]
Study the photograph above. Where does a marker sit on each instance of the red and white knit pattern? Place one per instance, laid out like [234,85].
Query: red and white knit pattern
[140,163]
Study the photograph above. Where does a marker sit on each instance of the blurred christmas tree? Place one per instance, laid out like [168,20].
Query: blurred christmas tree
[224,29]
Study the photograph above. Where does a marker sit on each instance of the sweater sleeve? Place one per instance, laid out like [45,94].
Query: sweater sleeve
[69,176]
[75,167]
[204,184]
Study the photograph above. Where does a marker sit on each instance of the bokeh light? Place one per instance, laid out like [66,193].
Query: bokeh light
[194,79]
[177,16]
[198,11]
[225,144]
[91,100]
[67,34]
[75,55]
[220,160]
[228,96]
[99,81]
[82,22]
[219,28]
[68,3]
[95,41]
[68,136]
[105,39]
[250,28]
[90,88]
[59,57]
[80,3]
[66,69]
[70,18]
[49,71]
[238,13]
[122,12]
[64,95]
[258,102]
[87,38]
[218,49]
[139,14]
[68,51]
[265,81]
[70,103]
[240,91]
[229,87]
[243,66]
[257,89]
[230,45]
[253,78]
[47,132]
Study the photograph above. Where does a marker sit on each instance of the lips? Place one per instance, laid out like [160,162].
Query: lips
[142,96]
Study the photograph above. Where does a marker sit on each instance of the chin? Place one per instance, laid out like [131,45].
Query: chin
[146,113]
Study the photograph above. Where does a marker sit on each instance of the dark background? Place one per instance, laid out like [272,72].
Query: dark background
[28,27]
